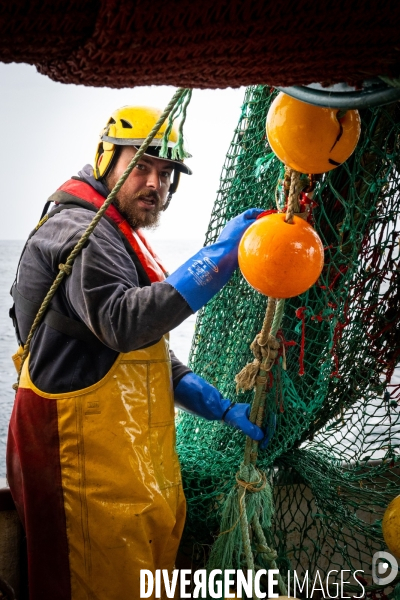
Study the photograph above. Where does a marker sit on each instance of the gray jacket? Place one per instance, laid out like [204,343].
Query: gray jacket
[104,292]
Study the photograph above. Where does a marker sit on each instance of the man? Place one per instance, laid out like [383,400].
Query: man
[91,454]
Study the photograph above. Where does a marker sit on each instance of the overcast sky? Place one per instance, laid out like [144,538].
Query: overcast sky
[50,130]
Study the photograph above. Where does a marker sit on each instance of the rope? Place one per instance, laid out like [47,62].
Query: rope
[244,526]
[263,336]
[65,269]
[246,378]
[278,316]
[178,151]
[253,486]
[265,348]
[294,191]
[269,553]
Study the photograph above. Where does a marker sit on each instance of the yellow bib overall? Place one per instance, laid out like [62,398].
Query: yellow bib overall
[120,477]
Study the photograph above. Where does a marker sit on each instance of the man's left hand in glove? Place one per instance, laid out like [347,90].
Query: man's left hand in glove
[195,395]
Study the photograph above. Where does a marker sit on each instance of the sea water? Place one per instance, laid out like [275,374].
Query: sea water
[173,254]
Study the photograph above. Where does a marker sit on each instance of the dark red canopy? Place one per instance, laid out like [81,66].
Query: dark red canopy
[202,43]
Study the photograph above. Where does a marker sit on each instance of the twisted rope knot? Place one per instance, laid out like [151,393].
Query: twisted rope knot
[270,554]
[252,486]
[264,358]
[272,342]
[267,351]
[67,269]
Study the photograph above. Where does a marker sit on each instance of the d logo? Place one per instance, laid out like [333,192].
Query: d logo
[384,568]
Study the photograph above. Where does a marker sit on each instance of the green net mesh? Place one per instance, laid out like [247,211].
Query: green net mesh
[334,459]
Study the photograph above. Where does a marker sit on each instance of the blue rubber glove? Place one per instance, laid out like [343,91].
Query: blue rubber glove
[197,396]
[203,275]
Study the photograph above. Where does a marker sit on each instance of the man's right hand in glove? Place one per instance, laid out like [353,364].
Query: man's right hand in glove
[206,273]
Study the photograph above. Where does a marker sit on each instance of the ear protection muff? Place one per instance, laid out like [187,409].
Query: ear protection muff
[104,158]
[105,151]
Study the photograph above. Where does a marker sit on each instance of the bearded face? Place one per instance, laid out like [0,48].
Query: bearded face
[143,195]
[141,210]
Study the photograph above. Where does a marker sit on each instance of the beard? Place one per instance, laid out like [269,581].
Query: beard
[136,215]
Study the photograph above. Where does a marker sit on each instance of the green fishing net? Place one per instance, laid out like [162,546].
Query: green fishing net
[334,459]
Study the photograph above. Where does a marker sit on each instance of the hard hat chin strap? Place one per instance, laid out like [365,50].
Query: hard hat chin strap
[168,201]
[172,188]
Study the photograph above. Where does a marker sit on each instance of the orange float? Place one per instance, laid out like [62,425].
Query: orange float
[308,138]
[279,259]
[391,527]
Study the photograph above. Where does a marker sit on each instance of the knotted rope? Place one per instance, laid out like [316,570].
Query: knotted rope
[254,495]
[252,486]
[265,346]
[65,269]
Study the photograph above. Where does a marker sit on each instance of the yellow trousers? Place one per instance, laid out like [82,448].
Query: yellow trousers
[110,477]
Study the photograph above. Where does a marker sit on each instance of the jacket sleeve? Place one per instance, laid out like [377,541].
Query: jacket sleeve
[104,292]
[179,370]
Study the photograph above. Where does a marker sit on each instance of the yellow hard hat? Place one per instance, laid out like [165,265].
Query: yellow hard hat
[129,126]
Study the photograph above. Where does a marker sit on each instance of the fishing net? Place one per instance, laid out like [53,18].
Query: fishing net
[334,458]
[208,44]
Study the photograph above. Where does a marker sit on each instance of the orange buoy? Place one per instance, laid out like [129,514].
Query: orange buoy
[391,526]
[279,259]
[308,138]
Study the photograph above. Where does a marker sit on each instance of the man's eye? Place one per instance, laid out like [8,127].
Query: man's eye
[165,174]
[141,167]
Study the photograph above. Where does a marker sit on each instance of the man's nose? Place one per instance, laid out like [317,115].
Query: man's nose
[153,179]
